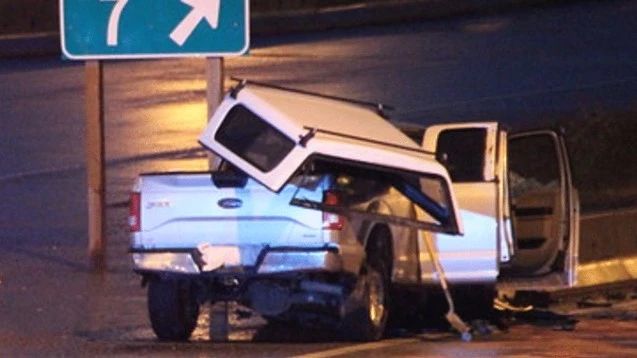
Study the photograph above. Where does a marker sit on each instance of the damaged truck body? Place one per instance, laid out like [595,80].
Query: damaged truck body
[323,212]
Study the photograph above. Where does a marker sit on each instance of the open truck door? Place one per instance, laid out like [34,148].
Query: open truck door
[517,202]
[273,134]
[545,211]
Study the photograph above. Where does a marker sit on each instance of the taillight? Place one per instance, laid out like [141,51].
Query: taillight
[332,221]
[134,214]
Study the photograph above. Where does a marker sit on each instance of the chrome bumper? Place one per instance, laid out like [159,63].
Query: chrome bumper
[267,261]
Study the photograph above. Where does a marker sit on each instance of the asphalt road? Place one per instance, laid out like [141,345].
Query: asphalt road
[517,67]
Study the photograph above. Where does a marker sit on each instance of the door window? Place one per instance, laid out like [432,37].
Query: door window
[538,199]
[533,164]
[462,151]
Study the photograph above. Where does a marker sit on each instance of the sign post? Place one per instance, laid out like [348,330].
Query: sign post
[214,94]
[96,30]
[95,162]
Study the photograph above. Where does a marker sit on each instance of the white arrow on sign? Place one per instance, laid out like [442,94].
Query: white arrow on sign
[201,9]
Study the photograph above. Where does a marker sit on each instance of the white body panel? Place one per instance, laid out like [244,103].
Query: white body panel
[472,258]
[183,211]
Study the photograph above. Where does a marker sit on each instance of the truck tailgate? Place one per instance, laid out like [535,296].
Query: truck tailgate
[188,209]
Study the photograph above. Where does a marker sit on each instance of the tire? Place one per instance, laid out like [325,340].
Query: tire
[173,309]
[367,319]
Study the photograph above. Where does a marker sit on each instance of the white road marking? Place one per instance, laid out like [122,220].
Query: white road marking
[357,348]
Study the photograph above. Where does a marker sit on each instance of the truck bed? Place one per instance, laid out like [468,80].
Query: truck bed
[184,210]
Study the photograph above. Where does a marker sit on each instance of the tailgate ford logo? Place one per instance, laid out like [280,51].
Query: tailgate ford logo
[230,203]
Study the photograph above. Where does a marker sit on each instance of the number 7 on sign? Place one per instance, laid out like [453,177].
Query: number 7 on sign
[113,22]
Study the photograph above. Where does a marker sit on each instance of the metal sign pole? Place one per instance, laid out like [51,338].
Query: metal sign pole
[95,162]
[219,312]
[214,95]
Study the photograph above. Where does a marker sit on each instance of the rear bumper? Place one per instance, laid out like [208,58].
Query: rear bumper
[270,260]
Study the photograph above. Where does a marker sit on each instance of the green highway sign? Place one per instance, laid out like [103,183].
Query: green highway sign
[129,29]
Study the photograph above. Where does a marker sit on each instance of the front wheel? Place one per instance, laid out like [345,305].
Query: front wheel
[172,308]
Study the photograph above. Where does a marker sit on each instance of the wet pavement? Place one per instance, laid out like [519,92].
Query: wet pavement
[52,303]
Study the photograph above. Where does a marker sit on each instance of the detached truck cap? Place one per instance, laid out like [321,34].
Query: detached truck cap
[270,134]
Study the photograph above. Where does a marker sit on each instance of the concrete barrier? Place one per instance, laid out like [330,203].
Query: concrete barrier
[608,235]
[608,249]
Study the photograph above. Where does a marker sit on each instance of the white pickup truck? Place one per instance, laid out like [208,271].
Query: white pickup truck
[326,211]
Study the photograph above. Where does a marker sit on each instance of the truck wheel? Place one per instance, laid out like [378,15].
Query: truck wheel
[367,319]
[172,308]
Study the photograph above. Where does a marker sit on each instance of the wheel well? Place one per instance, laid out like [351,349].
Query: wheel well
[379,242]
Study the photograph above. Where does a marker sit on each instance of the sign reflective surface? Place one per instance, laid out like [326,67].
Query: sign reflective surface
[111,29]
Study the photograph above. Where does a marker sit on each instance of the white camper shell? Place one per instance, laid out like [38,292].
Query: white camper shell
[270,134]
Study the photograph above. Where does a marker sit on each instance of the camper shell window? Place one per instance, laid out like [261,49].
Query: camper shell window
[256,141]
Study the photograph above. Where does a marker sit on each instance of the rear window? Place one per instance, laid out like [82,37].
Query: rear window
[253,139]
